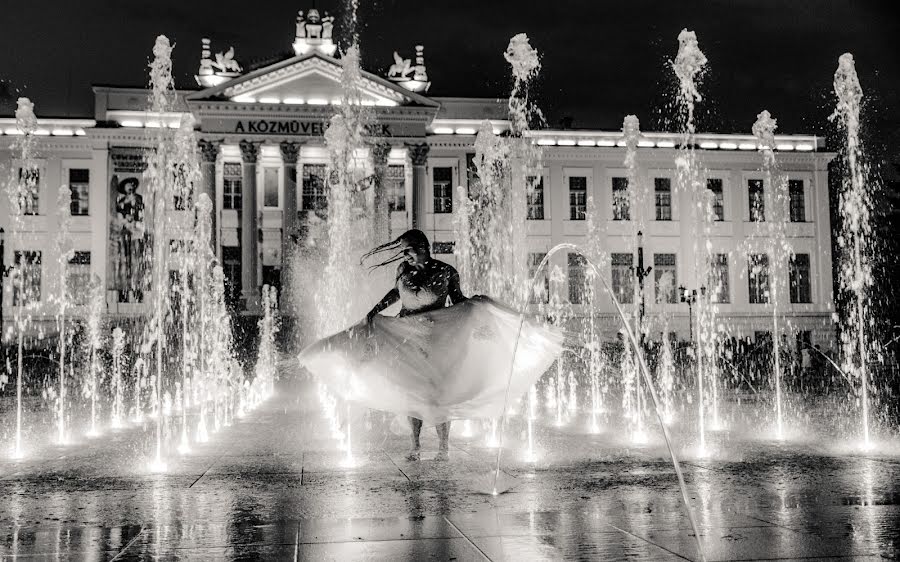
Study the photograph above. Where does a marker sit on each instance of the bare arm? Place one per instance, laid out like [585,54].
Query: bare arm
[455,291]
[390,298]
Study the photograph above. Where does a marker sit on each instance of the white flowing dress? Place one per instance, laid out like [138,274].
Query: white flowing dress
[439,365]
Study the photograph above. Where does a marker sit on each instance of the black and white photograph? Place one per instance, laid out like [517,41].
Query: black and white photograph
[385,280]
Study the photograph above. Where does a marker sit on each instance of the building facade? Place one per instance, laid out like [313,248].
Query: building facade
[263,162]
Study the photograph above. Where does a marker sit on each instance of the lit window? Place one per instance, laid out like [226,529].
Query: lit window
[79,187]
[714,185]
[577,198]
[443,190]
[718,279]
[623,278]
[798,210]
[78,278]
[231,268]
[663,190]
[799,278]
[665,278]
[758,276]
[27,289]
[534,195]
[231,185]
[621,205]
[577,265]
[395,187]
[756,200]
[270,187]
[314,196]
[29,190]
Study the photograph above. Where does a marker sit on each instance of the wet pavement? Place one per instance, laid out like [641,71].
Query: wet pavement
[274,486]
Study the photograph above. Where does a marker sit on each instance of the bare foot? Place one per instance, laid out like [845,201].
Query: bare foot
[413,456]
[442,456]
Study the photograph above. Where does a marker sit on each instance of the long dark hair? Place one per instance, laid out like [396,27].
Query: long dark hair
[410,239]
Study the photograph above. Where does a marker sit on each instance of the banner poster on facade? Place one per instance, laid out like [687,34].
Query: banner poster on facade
[128,240]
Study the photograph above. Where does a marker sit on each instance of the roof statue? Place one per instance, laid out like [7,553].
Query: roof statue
[314,32]
[399,72]
[400,69]
[213,72]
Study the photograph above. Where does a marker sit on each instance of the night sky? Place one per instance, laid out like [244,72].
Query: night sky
[601,59]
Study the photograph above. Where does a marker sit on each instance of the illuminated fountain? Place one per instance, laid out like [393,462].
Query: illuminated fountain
[117,418]
[689,66]
[21,190]
[96,304]
[62,299]
[771,227]
[855,239]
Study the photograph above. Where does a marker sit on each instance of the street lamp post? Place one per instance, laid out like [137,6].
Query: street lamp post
[641,273]
[690,298]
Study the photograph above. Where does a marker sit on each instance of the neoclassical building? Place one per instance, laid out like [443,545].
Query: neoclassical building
[264,167]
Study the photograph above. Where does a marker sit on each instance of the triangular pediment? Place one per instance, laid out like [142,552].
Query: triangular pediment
[312,78]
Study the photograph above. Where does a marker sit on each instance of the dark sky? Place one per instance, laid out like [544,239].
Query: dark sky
[601,60]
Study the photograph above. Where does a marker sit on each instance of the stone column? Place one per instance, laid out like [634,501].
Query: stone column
[382,213]
[249,227]
[419,155]
[209,152]
[290,151]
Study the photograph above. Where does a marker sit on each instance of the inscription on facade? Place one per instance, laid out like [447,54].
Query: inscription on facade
[299,127]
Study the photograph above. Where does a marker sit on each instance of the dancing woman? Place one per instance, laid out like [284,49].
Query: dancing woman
[422,284]
[433,363]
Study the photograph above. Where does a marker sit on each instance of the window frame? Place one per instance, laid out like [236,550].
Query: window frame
[446,207]
[229,197]
[762,293]
[718,197]
[656,198]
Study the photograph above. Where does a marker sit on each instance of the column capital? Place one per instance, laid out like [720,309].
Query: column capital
[290,151]
[209,150]
[249,151]
[380,152]
[418,153]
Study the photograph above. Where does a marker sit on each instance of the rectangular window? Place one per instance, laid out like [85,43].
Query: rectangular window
[762,337]
[535,197]
[29,194]
[799,278]
[577,265]
[714,185]
[183,198]
[231,185]
[665,278]
[231,268]
[313,194]
[623,278]
[270,187]
[758,276]
[718,279]
[78,278]
[621,206]
[663,190]
[540,292]
[79,187]
[442,247]
[395,187]
[577,198]
[27,290]
[798,204]
[443,190]
[756,200]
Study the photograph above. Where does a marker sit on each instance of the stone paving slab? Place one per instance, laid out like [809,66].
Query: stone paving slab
[275,486]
